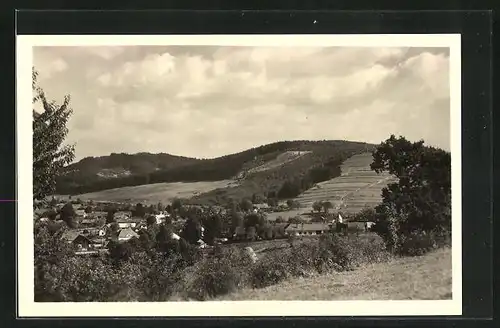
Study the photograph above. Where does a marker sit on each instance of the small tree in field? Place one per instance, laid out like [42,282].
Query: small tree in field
[49,133]
[317,206]
[327,206]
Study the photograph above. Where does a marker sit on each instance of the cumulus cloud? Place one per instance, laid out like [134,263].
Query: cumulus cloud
[211,101]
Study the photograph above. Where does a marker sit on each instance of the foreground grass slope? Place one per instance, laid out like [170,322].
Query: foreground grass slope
[427,277]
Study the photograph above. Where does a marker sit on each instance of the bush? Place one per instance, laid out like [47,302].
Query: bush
[219,274]
[336,253]
[418,243]
[269,271]
[370,248]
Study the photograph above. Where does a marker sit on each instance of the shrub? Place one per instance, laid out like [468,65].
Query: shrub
[219,274]
[370,248]
[417,243]
[269,271]
[336,253]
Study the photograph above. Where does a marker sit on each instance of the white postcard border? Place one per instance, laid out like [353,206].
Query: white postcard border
[24,233]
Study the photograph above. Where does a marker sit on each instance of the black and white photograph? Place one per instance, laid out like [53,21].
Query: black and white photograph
[239,175]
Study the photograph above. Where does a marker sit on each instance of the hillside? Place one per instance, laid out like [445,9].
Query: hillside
[282,169]
[357,187]
[91,170]
[425,277]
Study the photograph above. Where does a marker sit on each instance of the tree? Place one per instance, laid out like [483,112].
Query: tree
[251,233]
[160,207]
[49,133]
[68,214]
[110,216]
[236,220]
[246,205]
[420,202]
[139,211]
[317,206]
[213,226]
[289,203]
[176,204]
[150,220]
[88,209]
[192,230]
[327,206]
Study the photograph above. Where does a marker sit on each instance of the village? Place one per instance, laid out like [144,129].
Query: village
[93,225]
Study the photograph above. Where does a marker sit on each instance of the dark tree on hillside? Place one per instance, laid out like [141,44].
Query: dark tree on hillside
[251,233]
[110,216]
[317,206]
[192,230]
[176,204]
[68,213]
[168,208]
[421,199]
[121,252]
[139,211]
[49,133]
[88,209]
[246,205]
[150,220]
[160,207]
[327,206]
[254,220]
[213,228]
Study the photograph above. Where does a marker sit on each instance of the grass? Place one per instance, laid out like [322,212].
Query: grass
[425,277]
[153,193]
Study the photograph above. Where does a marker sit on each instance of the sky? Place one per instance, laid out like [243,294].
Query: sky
[208,101]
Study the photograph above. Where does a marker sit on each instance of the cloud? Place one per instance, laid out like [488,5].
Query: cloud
[210,101]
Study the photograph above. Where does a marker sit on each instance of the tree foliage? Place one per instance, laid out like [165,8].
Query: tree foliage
[420,202]
[49,133]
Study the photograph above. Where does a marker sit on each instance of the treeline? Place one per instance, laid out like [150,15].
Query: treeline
[192,170]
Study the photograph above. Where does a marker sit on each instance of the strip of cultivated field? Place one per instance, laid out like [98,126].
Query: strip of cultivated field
[157,192]
[358,186]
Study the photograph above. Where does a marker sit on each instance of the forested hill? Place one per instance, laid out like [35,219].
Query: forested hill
[120,170]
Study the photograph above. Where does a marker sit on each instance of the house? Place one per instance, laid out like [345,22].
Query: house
[262,207]
[129,222]
[80,213]
[99,243]
[127,234]
[76,238]
[307,229]
[122,215]
[160,218]
[97,215]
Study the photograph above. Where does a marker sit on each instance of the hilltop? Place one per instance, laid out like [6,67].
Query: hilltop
[281,170]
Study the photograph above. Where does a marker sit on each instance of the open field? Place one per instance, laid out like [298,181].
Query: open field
[426,277]
[358,186]
[153,193]
[282,159]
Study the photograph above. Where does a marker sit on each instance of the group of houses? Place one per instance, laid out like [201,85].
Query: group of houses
[93,233]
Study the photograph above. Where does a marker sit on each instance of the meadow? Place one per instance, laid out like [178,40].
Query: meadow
[427,277]
[154,193]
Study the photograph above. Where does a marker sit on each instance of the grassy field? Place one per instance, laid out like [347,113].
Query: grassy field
[281,160]
[153,193]
[358,186]
[418,278]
